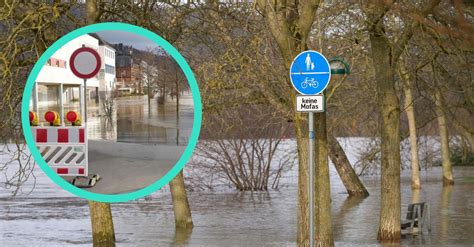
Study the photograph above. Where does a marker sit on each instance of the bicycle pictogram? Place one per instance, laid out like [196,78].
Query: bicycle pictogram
[309,82]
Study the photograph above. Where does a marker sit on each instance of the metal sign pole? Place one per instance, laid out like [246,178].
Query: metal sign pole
[85,103]
[310,73]
[311,178]
[81,67]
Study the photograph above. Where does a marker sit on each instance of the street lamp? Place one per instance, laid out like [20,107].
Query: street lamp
[339,66]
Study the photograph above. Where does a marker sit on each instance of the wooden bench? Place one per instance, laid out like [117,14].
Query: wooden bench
[417,215]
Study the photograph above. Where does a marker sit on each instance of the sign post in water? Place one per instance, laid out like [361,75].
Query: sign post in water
[310,74]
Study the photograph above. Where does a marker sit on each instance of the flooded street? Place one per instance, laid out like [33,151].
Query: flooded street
[133,123]
[51,216]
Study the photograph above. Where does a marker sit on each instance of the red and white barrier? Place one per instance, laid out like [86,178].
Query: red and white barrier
[63,148]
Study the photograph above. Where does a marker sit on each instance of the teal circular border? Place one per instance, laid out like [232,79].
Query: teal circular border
[196,122]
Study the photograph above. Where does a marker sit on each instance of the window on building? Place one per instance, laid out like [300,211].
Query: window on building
[48,99]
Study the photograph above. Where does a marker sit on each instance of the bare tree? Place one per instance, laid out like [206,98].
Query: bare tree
[385,56]
[443,133]
[27,28]
[410,111]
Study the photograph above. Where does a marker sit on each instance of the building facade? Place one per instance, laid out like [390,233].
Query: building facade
[107,71]
[58,89]
[128,70]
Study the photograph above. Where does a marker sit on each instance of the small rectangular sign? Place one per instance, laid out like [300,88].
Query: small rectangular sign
[310,103]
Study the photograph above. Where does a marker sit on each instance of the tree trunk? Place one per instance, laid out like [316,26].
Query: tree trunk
[322,185]
[301,128]
[347,174]
[444,139]
[389,114]
[415,196]
[91,10]
[410,110]
[100,213]
[415,165]
[102,226]
[182,212]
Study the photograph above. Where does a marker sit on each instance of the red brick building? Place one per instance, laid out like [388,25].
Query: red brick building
[128,70]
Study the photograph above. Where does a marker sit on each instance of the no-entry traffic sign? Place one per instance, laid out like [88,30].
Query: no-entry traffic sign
[310,73]
[85,62]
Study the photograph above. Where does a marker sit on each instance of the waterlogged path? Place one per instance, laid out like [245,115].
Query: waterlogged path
[133,123]
[51,216]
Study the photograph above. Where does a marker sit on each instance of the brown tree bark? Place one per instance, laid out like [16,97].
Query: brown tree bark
[389,117]
[347,174]
[182,212]
[322,185]
[301,128]
[102,225]
[389,110]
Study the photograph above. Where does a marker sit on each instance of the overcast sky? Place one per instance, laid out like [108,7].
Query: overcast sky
[127,38]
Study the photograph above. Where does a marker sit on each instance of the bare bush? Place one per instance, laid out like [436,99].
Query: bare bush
[247,154]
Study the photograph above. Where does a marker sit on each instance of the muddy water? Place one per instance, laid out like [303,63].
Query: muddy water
[133,122]
[51,216]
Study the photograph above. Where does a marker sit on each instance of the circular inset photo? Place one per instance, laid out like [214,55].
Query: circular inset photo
[111,112]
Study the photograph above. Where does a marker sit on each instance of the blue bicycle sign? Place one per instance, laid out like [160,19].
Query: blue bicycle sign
[310,73]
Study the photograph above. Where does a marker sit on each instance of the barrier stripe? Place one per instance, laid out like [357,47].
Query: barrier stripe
[64,149]
[41,135]
[81,135]
[58,135]
[69,170]
[62,135]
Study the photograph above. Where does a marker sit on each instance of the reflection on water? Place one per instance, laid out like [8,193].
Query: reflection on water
[51,216]
[444,220]
[181,236]
[132,122]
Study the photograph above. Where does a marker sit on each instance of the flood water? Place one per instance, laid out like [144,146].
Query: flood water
[51,216]
[133,122]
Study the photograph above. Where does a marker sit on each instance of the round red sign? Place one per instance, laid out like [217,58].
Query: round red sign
[85,62]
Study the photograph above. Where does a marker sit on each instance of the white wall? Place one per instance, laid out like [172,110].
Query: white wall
[107,79]
[54,75]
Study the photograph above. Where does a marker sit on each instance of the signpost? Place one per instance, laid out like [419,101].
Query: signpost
[310,73]
[85,63]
